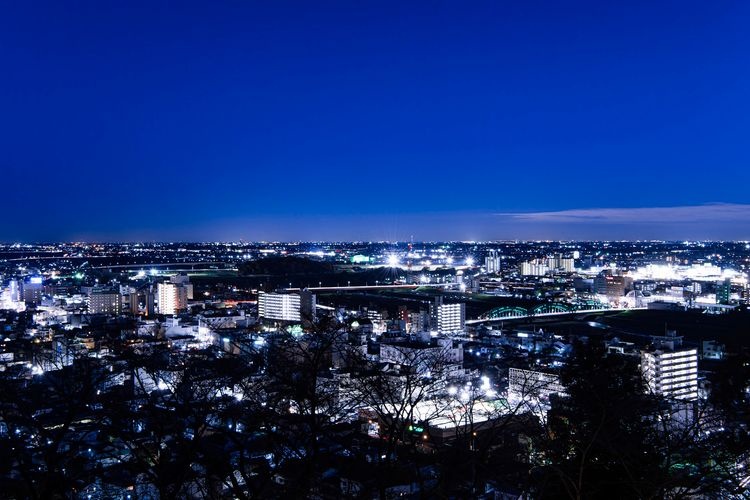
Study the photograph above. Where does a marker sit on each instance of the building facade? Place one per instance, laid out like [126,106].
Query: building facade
[173,298]
[492,261]
[671,373]
[105,301]
[279,306]
[451,318]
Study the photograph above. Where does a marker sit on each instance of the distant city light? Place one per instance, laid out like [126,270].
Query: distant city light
[360,259]
[704,272]
[393,260]
[485,382]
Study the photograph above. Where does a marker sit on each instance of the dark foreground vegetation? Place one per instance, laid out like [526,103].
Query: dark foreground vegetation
[270,419]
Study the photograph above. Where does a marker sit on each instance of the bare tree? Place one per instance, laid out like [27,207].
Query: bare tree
[48,425]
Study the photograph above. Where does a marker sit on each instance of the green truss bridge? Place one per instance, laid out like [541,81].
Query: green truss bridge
[548,309]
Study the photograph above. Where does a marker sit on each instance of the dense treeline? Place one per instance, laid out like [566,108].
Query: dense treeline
[284,266]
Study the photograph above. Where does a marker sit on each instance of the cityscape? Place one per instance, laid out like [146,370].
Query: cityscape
[155,370]
[379,250]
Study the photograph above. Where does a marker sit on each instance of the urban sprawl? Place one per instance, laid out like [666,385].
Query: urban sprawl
[375,370]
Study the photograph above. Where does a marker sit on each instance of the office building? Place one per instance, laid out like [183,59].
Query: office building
[33,289]
[724,292]
[129,296]
[612,285]
[104,300]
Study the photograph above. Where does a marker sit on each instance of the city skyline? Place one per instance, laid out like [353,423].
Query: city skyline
[374,122]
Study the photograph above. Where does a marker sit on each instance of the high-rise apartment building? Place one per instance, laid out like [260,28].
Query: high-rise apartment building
[449,318]
[560,263]
[492,261]
[672,373]
[280,306]
[184,281]
[533,268]
[173,298]
[173,295]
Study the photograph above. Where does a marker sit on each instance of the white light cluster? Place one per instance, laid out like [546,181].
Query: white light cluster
[705,272]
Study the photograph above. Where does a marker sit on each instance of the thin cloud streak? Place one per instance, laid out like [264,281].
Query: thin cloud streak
[716,221]
[709,213]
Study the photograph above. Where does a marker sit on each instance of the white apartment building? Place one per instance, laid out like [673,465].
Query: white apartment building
[671,373]
[451,318]
[279,306]
[172,298]
[493,261]
[533,268]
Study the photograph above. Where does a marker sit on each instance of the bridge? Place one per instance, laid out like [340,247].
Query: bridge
[543,310]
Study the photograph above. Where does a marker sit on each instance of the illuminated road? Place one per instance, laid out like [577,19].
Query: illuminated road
[163,264]
[370,287]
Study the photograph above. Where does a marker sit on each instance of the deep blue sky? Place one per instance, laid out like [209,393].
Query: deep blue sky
[374,120]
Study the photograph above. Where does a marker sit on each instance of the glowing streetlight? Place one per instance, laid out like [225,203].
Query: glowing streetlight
[393,260]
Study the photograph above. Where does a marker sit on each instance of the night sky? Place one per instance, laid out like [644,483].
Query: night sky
[374,120]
